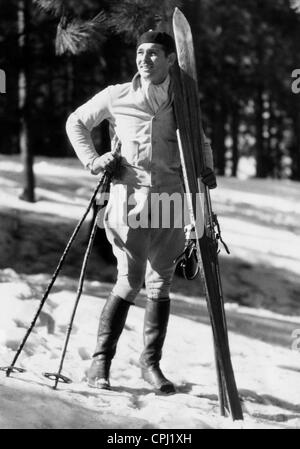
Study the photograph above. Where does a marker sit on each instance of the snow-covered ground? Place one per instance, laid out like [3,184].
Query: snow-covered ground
[260,223]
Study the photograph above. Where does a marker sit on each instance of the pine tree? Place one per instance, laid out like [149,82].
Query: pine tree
[24,9]
[75,35]
[133,17]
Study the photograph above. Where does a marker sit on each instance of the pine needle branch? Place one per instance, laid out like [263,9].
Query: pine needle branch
[133,17]
[56,7]
[295,4]
[76,36]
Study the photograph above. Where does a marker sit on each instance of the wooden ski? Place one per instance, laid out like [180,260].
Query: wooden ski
[191,145]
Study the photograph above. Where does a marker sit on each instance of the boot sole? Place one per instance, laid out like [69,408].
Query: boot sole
[99,386]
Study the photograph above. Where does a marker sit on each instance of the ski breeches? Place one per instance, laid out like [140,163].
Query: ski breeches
[145,238]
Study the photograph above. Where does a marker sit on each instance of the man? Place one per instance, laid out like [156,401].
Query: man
[141,118]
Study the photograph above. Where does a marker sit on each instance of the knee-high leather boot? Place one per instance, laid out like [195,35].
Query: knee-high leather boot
[155,329]
[111,324]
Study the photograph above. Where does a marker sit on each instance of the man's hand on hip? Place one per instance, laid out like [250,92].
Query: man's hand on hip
[107,161]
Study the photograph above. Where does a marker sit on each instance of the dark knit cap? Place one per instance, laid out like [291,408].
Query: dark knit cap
[157,37]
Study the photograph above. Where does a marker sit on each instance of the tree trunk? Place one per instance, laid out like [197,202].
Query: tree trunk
[235,140]
[24,98]
[218,137]
[295,148]
[259,127]
[274,154]
[69,83]
[295,114]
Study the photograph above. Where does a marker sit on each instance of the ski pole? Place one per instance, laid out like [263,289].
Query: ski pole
[58,377]
[12,368]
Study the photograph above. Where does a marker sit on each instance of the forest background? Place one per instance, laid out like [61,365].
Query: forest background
[56,54]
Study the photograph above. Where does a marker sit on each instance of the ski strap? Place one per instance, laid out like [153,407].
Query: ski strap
[218,234]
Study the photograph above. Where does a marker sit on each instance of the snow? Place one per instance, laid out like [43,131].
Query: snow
[260,223]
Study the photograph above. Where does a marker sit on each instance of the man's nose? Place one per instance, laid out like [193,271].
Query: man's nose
[145,57]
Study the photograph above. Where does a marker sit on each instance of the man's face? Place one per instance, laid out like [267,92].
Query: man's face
[152,62]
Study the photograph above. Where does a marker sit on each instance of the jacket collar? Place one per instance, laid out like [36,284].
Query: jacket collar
[140,96]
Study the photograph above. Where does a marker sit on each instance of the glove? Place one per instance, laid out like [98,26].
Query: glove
[209,178]
[107,161]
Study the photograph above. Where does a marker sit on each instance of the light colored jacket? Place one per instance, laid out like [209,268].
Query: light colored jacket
[149,149]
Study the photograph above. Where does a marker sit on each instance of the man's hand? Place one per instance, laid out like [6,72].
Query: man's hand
[209,178]
[107,161]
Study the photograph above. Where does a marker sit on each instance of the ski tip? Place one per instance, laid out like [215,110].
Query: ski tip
[179,18]
[176,13]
